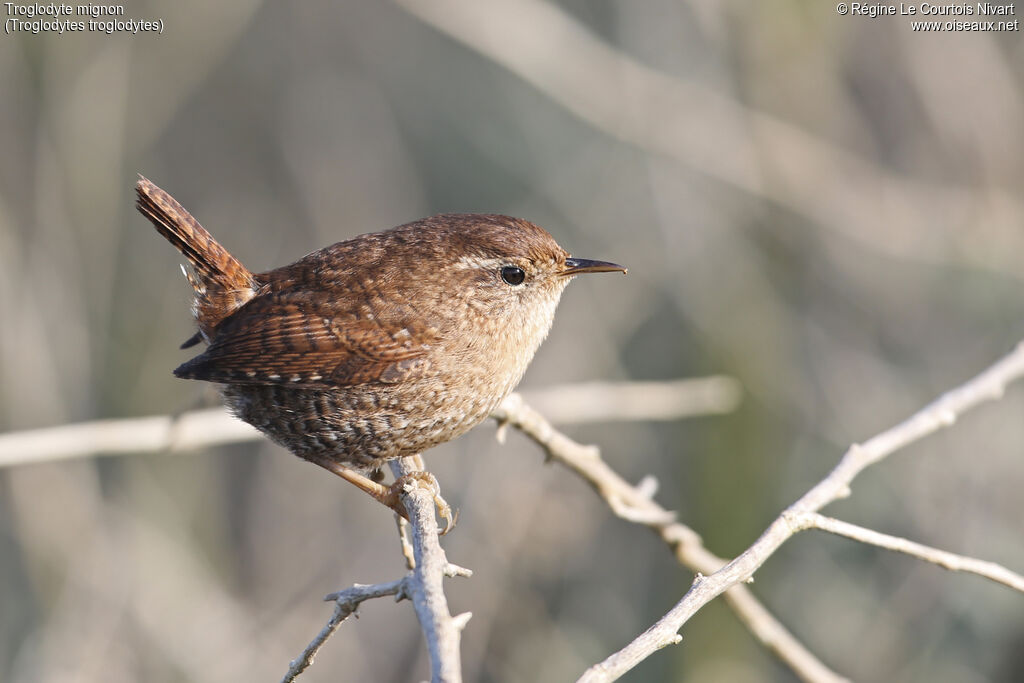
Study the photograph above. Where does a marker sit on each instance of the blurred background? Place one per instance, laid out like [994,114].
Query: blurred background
[825,207]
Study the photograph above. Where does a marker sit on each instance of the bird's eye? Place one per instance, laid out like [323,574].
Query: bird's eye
[513,275]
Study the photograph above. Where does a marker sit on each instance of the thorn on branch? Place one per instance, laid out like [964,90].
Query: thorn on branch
[459,621]
[501,435]
[648,486]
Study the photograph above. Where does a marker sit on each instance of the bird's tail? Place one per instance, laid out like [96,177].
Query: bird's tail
[221,283]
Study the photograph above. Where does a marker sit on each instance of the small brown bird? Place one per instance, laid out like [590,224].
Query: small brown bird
[374,348]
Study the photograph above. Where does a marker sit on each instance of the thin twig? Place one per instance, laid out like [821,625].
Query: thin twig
[203,428]
[943,412]
[635,504]
[951,561]
[345,604]
[406,542]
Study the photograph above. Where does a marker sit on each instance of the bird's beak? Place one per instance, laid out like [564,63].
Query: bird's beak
[575,266]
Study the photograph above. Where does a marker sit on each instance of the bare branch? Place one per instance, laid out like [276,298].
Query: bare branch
[953,562]
[425,584]
[203,428]
[345,604]
[942,412]
[636,504]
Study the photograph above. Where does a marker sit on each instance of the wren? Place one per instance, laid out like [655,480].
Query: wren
[378,347]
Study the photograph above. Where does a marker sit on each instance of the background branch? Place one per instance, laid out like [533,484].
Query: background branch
[698,126]
[584,402]
[197,429]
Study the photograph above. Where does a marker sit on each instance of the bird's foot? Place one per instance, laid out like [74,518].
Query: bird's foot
[391,496]
[406,483]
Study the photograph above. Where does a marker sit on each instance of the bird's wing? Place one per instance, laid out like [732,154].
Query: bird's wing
[289,337]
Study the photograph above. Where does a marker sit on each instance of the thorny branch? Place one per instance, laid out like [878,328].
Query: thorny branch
[422,585]
[425,584]
[943,412]
[636,504]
